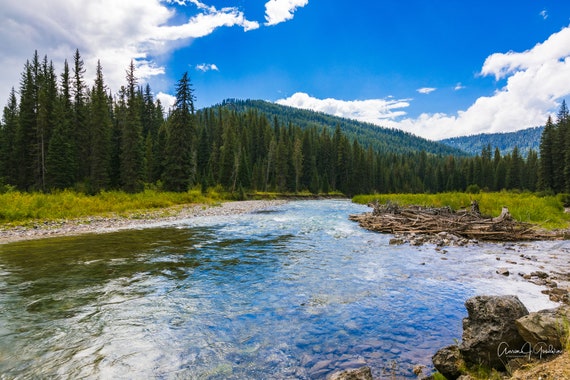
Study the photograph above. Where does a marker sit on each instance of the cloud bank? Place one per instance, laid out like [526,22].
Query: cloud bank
[278,11]
[536,81]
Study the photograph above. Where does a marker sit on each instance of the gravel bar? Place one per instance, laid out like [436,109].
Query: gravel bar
[148,218]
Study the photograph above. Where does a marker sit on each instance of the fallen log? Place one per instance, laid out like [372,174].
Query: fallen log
[393,218]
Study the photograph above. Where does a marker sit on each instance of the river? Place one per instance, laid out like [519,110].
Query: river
[293,292]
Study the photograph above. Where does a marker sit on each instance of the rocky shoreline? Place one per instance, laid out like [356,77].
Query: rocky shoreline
[104,224]
[501,340]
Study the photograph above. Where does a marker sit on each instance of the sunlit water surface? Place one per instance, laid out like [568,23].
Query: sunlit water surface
[297,292]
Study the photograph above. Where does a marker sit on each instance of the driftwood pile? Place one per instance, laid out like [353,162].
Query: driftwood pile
[468,223]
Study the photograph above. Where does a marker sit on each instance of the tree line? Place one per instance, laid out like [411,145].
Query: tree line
[60,133]
[555,153]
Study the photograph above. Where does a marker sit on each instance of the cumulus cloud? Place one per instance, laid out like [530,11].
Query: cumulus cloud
[278,11]
[113,31]
[426,90]
[207,67]
[536,82]
[371,110]
[166,100]
[554,49]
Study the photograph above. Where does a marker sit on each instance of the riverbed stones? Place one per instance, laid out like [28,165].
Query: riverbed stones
[362,373]
[448,362]
[548,328]
[490,323]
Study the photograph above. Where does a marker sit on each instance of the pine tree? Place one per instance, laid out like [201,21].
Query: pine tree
[514,171]
[298,162]
[26,147]
[60,161]
[47,97]
[530,178]
[547,156]
[80,124]
[8,157]
[179,168]
[159,143]
[132,152]
[100,126]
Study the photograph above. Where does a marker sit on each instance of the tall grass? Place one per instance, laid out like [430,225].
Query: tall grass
[16,207]
[547,211]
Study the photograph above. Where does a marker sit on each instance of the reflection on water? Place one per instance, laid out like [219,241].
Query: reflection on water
[298,292]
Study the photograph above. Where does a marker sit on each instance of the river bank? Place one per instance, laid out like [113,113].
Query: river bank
[135,220]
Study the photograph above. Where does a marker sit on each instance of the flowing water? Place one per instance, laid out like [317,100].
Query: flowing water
[294,292]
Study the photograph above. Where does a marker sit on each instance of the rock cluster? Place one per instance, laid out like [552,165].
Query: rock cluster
[441,239]
[499,333]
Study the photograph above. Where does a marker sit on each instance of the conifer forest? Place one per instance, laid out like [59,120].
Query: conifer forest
[60,132]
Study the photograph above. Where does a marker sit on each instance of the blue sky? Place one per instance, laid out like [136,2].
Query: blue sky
[436,68]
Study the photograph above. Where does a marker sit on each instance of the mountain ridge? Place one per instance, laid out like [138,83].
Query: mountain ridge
[381,139]
[524,139]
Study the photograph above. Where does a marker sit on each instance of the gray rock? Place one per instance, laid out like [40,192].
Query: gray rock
[546,327]
[363,373]
[539,274]
[503,271]
[491,324]
[448,362]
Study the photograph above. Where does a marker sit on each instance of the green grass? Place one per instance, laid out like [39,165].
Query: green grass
[547,212]
[17,207]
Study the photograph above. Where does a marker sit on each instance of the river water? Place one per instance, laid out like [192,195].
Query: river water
[293,292]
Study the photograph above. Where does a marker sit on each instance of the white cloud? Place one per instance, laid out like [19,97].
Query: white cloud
[536,82]
[372,110]
[458,87]
[277,11]
[207,67]
[166,100]
[113,31]
[544,14]
[555,48]
[426,90]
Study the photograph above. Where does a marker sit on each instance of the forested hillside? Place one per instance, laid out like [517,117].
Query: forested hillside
[59,132]
[526,140]
[383,140]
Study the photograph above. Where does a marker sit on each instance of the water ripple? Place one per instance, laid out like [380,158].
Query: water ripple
[295,292]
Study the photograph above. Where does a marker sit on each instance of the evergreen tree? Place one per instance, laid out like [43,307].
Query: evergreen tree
[26,147]
[80,123]
[132,152]
[179,171]
[47,97]
[531,168]
[514,171]
[100,135]
[60,160]
[8,157]
[547,156]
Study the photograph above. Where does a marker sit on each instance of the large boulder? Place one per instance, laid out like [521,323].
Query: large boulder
[448,362]
[489,330]
[545,329]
